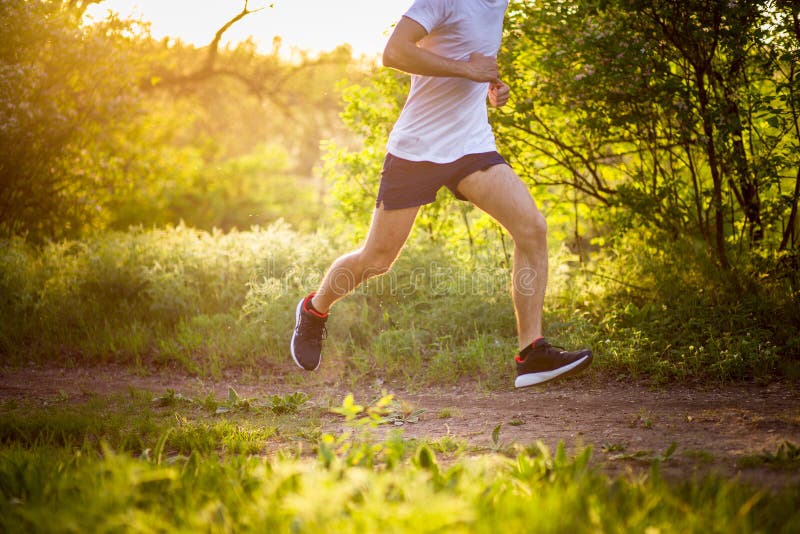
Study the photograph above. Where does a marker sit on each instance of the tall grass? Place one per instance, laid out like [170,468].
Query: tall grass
[174,294]
[210,301]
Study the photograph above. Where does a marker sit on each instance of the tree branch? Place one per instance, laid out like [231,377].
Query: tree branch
[78,7]
[213,47]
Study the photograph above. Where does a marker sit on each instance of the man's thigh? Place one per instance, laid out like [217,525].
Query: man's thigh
[389,230]
[502,194]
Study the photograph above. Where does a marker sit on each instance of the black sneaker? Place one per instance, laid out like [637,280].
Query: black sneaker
[541,362]
[309,331]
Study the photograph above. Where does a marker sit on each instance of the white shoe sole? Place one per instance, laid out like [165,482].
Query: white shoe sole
[294,333]
[531,379]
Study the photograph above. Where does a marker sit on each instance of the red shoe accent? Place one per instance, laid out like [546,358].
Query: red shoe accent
[309,310]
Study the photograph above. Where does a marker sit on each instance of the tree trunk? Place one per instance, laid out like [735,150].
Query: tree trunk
[711,152]
[698,200]
[790,233]
[747,192]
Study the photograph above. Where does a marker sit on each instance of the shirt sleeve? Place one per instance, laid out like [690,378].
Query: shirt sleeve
[430,14]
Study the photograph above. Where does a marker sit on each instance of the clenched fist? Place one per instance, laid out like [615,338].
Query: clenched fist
[499,94]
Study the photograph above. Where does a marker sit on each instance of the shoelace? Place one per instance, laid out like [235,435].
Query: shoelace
[545,347]
[312,330]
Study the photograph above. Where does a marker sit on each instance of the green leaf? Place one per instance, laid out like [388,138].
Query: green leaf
[233,397]
[426,459]
[496,434]
[349,409]
[773,121]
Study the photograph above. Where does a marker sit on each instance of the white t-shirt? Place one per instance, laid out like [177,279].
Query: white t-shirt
[446,118]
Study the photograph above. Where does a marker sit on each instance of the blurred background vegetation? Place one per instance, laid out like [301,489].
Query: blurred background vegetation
[104,127]
[163,203]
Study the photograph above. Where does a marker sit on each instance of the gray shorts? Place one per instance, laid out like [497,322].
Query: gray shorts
[405,184]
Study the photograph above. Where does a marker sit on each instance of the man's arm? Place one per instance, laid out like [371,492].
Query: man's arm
[402,53]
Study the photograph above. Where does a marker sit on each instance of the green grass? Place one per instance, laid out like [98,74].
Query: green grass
[787,456]
[208,302]
[139,422]
[168,463]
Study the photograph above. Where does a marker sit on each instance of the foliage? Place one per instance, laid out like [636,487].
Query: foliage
[158,295]
[178,186]
[675,117]
[63,96]
[127,466]
[102,126]
[212,301]
[354,173]
[786,457]
[289,403]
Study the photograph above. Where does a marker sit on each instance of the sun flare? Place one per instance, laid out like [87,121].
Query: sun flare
[314,25]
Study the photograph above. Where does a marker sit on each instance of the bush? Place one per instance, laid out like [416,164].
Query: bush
[209,301]
[668,312]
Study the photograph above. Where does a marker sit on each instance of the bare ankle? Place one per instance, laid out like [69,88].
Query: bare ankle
[318,307]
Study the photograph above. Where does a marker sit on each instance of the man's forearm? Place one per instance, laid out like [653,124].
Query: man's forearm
[408,57]
[405,55]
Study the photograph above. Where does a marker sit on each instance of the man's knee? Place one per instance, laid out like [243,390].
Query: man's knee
[531,231]
[376,262]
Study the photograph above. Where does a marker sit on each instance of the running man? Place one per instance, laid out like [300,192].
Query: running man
[443,138]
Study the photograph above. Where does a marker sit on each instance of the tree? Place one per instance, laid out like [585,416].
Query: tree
[103,126]
[64,91]
[668,112]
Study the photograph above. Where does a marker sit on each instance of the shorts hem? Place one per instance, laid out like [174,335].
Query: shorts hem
[454,187]
[402,205]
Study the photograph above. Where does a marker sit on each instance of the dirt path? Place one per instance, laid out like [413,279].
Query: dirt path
[628,424]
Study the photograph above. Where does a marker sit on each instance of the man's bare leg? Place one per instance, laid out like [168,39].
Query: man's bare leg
[499,192]
[387,235]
